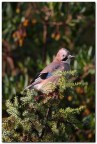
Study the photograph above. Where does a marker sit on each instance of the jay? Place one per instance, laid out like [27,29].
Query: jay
[44,80]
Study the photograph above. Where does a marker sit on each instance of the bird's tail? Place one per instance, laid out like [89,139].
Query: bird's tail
[28,87]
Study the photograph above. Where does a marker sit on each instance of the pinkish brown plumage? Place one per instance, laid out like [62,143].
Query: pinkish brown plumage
[61,62]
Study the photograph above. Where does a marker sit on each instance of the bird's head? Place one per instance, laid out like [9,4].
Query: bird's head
[63,55]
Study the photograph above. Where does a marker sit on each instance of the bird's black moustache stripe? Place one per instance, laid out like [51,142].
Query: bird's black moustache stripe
[64,59]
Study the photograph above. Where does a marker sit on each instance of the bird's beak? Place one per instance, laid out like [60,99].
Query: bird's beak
[71,56]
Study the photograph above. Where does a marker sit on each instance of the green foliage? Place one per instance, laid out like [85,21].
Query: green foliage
[38,117]
[32,34]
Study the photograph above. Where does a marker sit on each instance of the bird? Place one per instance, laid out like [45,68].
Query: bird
[43,81]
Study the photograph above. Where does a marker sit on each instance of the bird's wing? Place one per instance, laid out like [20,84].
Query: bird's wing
[62,66]
[40,77]
[48,71]
[52,67]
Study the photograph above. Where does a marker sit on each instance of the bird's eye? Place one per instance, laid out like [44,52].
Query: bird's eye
[64,59]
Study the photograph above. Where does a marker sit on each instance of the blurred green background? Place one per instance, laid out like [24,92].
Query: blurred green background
[32,33]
